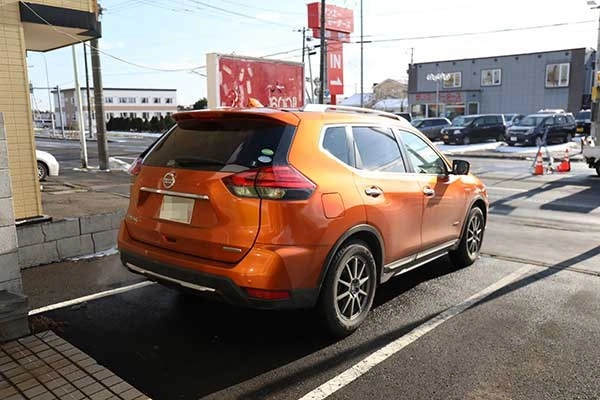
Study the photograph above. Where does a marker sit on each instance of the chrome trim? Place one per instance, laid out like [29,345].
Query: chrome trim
[166,278]
[435,249]
[420,263]
[176,194]
[232,249]
[398,263]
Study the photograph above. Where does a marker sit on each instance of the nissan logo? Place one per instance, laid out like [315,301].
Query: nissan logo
[168,180]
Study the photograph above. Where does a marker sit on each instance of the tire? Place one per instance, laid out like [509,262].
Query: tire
[568,138]
[470,243]
[42,171]
[350,282]
[598,168]
[466,140]
[511,144]
[500,138]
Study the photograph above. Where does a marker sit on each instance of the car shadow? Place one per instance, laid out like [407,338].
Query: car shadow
[172,346]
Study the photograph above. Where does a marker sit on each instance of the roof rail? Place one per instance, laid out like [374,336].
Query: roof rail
[329,107]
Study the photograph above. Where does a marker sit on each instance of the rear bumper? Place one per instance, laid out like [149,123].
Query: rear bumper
[213,286]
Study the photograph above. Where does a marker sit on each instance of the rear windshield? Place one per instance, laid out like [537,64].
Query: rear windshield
[583,115]
[224,144]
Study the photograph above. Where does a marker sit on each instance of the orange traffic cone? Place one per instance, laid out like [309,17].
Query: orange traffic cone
[565,165]
[539,164]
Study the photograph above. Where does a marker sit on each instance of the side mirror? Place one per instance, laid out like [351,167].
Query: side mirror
[460,167]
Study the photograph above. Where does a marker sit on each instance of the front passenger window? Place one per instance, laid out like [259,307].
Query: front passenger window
[423,158]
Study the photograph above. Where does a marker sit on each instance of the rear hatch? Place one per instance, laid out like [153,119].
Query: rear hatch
[180,200]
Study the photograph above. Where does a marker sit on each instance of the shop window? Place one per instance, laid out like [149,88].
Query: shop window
[123,100]
[156,100]
[557,75]
[491,77]
[169,100]
[131,100]
[454,80]
[108,100]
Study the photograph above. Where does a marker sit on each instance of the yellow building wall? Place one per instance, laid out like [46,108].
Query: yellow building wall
[15,104]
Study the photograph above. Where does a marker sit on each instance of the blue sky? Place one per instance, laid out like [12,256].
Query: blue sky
[177,34]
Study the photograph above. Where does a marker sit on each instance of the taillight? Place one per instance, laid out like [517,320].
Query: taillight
[271,183]
[135,167]
[268,294]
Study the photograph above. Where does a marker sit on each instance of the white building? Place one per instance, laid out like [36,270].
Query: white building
[118,102]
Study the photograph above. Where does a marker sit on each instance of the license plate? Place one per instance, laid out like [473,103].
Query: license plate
[579,129]
[176,209]
[445,136]
[513,138]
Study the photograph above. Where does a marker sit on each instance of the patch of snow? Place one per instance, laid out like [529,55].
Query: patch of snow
[105,253]
[134,134]
[572,146]
[118,165]
[460,149]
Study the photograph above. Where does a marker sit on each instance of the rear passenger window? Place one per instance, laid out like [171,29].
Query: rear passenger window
[377,150]
[491,120]
[336,143]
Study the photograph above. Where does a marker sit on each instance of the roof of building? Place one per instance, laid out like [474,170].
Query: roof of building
[501,56]
[132,89]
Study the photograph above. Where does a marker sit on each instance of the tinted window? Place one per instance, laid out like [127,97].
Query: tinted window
[231,144]
[560,119]
[377,149]
[490,120]
[336,143]
[462,120]
[422,157]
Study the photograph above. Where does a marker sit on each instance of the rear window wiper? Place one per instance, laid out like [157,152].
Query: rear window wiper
[189,161]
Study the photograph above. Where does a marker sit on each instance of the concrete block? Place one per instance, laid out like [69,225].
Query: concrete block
[95,223]
[60,229]
[105,240]
[3,155]
[13,286]
[30,234]
[75,246]
[8,239]
[43,253]
[9,267]
[117,218]
[7,216]
[5,189]
[13,316]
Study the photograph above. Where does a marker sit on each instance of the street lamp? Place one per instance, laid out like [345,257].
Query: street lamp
[437,78]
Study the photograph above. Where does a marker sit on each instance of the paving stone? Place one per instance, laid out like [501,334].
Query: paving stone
[41,370]
[76,395]
[93,388]
[46,353]
[83,382]
[20,378]
[101,395]
[92,369]
[48,377]
[60,363]
[28,384]
[130,394]
[6,392]
[67,369]
[45,396]
[18,370]
[79,356]
[63,390]
[4,360]
[29,341]
[73,376]
[102,374]
[111,381]
[86,362]
[8,366]
[34,364]
[35,391]
[15,397]
[56,383]
[121,387]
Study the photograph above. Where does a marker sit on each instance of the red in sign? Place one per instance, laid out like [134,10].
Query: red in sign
[335,68]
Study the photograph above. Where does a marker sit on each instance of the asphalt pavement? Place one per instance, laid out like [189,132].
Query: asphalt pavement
[531,336]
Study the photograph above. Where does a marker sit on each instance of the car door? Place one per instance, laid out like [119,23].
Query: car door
[560,128]
[444,195]
[478,129]
[491,127]
[393,199]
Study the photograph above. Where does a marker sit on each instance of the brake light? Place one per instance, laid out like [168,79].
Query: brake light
[135,167]
[271,183]
[268,294]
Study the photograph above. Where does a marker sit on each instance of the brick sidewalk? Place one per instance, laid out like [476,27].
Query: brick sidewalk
[46,366]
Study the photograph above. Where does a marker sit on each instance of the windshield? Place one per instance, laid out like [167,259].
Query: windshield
[584,115]
[509,117]
[531,121]
[462,121]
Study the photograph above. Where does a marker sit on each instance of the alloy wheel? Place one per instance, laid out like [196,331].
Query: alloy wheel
[474,234]
[353,288]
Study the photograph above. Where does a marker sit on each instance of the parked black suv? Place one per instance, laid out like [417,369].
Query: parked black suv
[560,128]
[475,128]
[583,119]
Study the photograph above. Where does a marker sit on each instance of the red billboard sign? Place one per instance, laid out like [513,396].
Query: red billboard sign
[233,80]
[337,18]
[335,68]
[332,35]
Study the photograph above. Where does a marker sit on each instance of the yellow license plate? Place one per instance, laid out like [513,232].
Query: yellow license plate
[178,209]
[579,129]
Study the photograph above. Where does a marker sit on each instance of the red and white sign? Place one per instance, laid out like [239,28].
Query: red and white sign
[335,68]
[233,80]
[332,35]
[337,18]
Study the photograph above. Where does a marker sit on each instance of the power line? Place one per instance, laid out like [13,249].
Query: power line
[238,13]
[262,8]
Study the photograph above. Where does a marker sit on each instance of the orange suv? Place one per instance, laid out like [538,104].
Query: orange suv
[304,208]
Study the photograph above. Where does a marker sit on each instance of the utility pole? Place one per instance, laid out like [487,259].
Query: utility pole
[595,128]
[362,87]
[60,114]
[49,97]
[87,91]
[322,66]
[80,122]
[303,43]
[99,106]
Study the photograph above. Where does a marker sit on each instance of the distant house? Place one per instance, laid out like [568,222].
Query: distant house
[392,105]
[354,100]
[389,95]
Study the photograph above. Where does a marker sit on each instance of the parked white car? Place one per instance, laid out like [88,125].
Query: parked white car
[46,165]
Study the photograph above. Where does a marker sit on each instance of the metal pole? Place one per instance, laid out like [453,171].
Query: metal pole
[87,90]
[80,121]
[362,87]
[303,43]
[323,60]
[595,129]
[99,106]
[50,108]
[437,97]
[310,74]
[60,112]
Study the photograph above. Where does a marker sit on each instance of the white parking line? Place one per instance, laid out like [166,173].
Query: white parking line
[362,367]
[90,297]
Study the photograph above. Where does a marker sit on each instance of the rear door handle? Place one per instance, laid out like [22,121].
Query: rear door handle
[373,191]
[428,192]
